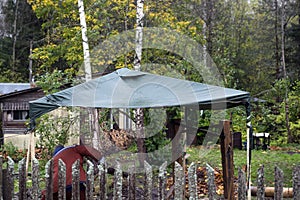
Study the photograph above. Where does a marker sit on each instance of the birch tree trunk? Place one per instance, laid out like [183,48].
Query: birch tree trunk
[93,115]
[85,44]
[139,116]
[204,29]
[286,100]
[139,34]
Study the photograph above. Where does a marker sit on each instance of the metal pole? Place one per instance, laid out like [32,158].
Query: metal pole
[249,147]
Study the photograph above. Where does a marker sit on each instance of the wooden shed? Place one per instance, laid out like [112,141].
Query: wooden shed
[14,110]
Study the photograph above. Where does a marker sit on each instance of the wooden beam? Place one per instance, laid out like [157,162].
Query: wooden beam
[227,159]
[269,192]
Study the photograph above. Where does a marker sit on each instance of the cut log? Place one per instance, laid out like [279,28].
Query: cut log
[269,192]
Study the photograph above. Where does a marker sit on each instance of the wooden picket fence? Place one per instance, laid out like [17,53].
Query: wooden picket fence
[133,189]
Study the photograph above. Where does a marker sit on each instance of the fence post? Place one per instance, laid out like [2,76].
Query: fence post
[227,159]
[35,179]
[278,195]
[90,180]
[296,182]
[162,181]
[49,179]
[118,178]
[148,181]
[211,183]
[9,188]
[61,180]
[260,183]
[179,181]
[192,177]
[76,180]
[131,182]
[102,181]
[22,179]
[242,189]
[1,177]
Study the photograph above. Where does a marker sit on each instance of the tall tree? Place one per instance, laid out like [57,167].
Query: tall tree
[21,26]
[286,100]
[139,115]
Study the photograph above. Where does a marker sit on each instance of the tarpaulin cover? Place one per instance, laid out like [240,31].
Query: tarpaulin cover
[126,88]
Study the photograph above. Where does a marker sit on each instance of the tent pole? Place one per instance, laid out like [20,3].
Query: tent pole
[249,147]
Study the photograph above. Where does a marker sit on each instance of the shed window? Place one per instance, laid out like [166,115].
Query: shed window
[19,114]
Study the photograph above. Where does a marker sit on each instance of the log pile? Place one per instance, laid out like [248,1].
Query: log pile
[116,140]
[202,187]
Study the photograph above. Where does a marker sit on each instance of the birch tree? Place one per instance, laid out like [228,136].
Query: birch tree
[93,114]
[139,116]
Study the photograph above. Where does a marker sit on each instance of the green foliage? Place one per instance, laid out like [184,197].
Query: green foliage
[240,36]
[54,81]
[155,130]
[19,21]
[270,116]
[9,149]
[286,158]
[54,130]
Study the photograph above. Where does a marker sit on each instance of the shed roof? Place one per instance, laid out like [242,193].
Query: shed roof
[6,88]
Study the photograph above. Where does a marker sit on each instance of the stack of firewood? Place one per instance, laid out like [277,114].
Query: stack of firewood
[116,140]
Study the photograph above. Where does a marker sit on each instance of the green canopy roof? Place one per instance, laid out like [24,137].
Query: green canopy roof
[126,88]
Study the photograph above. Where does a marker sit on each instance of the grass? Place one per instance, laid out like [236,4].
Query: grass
[270,158]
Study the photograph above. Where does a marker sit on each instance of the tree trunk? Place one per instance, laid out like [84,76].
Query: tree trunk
[139,115]
[30,62]
[277,50]
[139,34]
[286,100]
[15,35]
[93,115]
[85,44]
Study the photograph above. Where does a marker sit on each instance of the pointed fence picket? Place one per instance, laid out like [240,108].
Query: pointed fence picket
[126,187]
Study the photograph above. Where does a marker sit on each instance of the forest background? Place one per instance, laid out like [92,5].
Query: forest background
[255,45]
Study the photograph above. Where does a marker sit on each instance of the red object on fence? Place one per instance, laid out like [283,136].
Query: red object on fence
[69,155]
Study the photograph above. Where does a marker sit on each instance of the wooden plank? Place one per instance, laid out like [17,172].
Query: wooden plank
[227,160]
[162,181]
[32,147]
[131,182]
[90,180]
[22,179]
[242,189]
[211,183]
[1,177]
[35,180]
[61,180]
[269,192]
[28,155]
[260,183]
[148,181]
[8,180]
[278,195]
[296,182]
[118,179]
[76,180]
[179,181]
[49,179]
[102,181]
[192,177]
